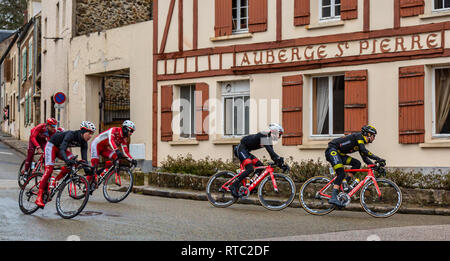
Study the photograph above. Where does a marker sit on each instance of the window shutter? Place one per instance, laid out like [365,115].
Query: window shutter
[301,12]
[257,16]
[166,112]
[292,104]
[201,111]
[355,101]
[7,70]
[411,105]
[223,17]
[411,7]
[349,9]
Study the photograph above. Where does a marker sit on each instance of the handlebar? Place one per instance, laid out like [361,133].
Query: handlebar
[379,167]
[285,167]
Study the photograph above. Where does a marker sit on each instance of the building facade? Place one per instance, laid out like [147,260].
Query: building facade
[320,68]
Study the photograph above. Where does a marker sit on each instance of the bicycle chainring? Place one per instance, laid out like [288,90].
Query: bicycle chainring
[344,198]
[244,192]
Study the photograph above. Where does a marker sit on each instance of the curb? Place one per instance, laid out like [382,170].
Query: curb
[201,196]
[5,141]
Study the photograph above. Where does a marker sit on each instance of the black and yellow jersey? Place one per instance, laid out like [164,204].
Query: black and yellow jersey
[352,143]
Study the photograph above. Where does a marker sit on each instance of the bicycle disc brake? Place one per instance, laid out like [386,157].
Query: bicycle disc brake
[344,198]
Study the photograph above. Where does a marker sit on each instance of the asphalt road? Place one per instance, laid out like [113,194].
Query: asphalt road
[142,217]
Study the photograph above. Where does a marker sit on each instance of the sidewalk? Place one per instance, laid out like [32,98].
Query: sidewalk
[154,190]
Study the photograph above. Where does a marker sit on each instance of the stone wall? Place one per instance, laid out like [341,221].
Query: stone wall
[100,15]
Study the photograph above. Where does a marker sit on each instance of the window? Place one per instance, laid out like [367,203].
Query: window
[328,105]
[240,16]
[439,5]
[441,100]
[24,64]
[187,111]
[30,56]
[330,9]
[236,104]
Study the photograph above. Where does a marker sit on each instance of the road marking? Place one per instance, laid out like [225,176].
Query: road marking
[8,184]
[6,153]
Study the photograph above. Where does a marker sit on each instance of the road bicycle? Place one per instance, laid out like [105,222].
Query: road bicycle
[118,180]
[275,191]
[35,166]
[379,197]
[72,192]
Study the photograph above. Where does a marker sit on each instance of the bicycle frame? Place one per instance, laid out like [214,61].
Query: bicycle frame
[370,176]
[268,171]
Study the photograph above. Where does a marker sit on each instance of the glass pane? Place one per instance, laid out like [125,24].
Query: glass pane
[338,104]
[192,116]
[243,12]
[320,105]
[337,10]
[337,2]
[438,4]
[447,3]
[234,12]
[243,23]
[234,25]
[326,12]
[185,111]
[442,102]
[244,3]
[326,2]
[238,116]
[228,116]
[234,3]
[247,115]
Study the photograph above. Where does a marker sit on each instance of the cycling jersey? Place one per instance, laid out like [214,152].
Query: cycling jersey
[67,139]
[106,143]
[257,141]
[40,134]
[352,143]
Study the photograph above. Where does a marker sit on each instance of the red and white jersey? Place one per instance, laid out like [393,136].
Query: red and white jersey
[110,139]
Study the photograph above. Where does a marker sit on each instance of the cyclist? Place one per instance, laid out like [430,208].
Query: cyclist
[248,160]
[38,138]
[106,144]
[337,151]
[58,147]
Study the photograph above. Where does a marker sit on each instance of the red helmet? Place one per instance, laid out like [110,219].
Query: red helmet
[52,121]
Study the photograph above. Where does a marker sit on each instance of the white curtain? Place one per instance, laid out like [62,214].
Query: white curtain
[442,97]
[322,103]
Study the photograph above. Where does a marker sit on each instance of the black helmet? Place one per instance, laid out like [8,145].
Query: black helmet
[367,129]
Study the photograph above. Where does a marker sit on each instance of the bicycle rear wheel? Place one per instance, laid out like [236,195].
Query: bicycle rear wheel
[72,197]
[280,199]
[21,177]
[313,202]
[28,194]
[118,185]
[216,194]
[384,205]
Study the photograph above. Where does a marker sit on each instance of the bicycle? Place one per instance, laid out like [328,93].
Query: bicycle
[67,189]
[379,197]
[118,179]
[35,167]
[275,195]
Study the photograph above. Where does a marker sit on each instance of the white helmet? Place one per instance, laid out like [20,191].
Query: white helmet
[129,124]
[87,125]
[275,131]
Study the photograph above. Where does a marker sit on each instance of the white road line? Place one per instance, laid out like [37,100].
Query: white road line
[6,153]
[8,184]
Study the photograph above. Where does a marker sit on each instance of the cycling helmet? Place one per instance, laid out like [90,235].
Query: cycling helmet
[87,126]
[128,127]
[276,130]
[368,130]
[52,122]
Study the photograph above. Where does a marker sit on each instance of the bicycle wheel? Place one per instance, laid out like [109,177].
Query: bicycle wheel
[384,205]
[21,177]
[313,202]
[28,194]
[276,199]
[216,194]
[67,205]
[118,185]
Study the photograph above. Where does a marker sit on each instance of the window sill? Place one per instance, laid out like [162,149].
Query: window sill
[435,14]
[224,141]
[183,142]
[320,146]
[435,144]
[231,37]
[325,24]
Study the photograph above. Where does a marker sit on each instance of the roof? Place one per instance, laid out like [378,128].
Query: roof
[4,34]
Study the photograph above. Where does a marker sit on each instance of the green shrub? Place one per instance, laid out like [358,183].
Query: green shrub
[203,167]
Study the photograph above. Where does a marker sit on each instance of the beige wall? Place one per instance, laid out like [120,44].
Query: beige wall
[91,56]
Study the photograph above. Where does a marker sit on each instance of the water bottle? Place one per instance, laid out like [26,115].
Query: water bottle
[52,183]
[33,165]
[345,186]
[247,181]
[354,183]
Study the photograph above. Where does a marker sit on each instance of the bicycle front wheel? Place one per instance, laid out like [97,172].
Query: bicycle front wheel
[28,194]
[21,177]
[381,202]
[276,199]
[72,197]
[217,195]
[312,195]
[118,185]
